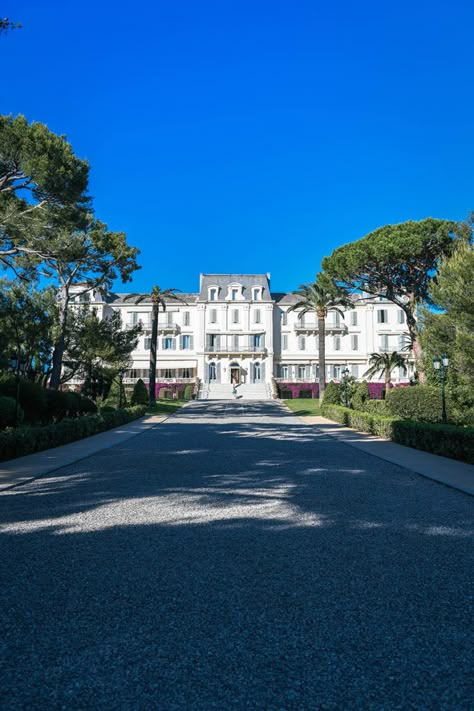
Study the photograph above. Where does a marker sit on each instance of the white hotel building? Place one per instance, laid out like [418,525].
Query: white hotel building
[235,331]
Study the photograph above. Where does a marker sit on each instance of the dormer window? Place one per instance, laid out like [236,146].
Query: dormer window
[257,293]
[213,291]
[234,294]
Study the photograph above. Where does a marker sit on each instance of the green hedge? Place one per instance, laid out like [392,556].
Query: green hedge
[421,403]
[8,412]
[445,440]
[26,440]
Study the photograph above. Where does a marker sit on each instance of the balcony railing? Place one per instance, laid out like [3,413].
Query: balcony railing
[313,326]
[234,349]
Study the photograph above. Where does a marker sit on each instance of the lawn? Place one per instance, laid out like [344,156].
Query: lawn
[165,407]
[304,406]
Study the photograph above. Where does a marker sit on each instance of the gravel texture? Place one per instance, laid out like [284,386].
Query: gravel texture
[235,558]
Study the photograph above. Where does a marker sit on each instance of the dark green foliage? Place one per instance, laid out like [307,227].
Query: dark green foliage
[32,397]
[421,403]
[117,396]
[140,393]
[188,391]
[8,412]
[444,440]
[332,394]
[377,407]
[26,440]
[360,396]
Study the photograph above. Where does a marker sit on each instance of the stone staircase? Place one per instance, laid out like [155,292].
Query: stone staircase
[224,391]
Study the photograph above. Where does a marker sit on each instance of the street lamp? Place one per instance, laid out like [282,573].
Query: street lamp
[121,374]
[441,367]
[345,385]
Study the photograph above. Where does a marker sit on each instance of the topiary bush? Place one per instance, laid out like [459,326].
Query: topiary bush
[332,394]
[117,396]
[8,412]
[32,397]
[360,395]
[188,391]
[420,403]
[140,393]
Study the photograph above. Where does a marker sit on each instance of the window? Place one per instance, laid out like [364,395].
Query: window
[302,372]
[212,371]
[284,343]
[403,341]
[384,347]
[284,372]
[353,318]
[336,371]
[235,316]
[284,318]
[235,343]
[169,344]
[213,342]
[257,316]
[186,342]
[187,373]
[401,316]
[168,373]
[234,294]
[256,293]
[213,316]
[337,343]
[354,343]
[147,343]
[257,372]
[355,371]
[302,319]
[302,343]
[212,294]
[256,341]
[382,316]
[169,318]
[186,318]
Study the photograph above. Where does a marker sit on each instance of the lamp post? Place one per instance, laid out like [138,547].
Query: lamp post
[441,367]
[121,374]
[345,385]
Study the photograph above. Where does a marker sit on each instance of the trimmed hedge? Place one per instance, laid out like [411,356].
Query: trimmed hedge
[332,394]
[445,440]
[140,394]
[421,403]
[8,413]
[26,440]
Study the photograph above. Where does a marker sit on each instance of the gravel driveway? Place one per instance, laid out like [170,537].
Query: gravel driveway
[233,558]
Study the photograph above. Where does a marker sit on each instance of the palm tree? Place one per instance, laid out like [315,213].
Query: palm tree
[158,298]
[384,364]
[319,298]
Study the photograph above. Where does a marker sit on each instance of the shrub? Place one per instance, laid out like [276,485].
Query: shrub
[117,396]
[360,396]
[332,394]
[26,440]
[188,391]
[421,403]
[444,440]
[140,394]
[377,407]
[461,405]
[32,397]
[8,413]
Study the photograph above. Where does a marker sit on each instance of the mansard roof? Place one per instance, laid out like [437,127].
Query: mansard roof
[124,298]
[247,281]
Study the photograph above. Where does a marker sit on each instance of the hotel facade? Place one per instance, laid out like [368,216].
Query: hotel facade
[236,332]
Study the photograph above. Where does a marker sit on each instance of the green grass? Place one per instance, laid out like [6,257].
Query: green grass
[304,407]
[165,407]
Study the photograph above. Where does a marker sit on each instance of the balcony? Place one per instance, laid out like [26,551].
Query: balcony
[234,349]
[168,327]
[330,326]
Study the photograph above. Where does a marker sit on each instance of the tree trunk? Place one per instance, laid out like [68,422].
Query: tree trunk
[153,347]
[59,346]
[412,330]
[322,354]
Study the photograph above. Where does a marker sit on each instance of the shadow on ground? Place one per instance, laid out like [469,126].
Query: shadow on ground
[234,557]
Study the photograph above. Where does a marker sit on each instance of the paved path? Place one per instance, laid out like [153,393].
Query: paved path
[234,557]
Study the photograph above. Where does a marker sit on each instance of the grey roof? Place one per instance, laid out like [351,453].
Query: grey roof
[246,280]
[121,298]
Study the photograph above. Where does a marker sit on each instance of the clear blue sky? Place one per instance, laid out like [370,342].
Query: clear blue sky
[252,135]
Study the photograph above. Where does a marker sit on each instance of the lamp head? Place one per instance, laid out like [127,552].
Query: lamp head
[436,363]
[445,360]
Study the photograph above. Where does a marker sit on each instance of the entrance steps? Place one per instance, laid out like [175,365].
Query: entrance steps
[224,391]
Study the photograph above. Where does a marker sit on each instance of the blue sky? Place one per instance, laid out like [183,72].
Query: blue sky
[248,135]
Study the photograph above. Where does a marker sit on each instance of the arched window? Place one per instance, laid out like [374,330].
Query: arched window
[212,371]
